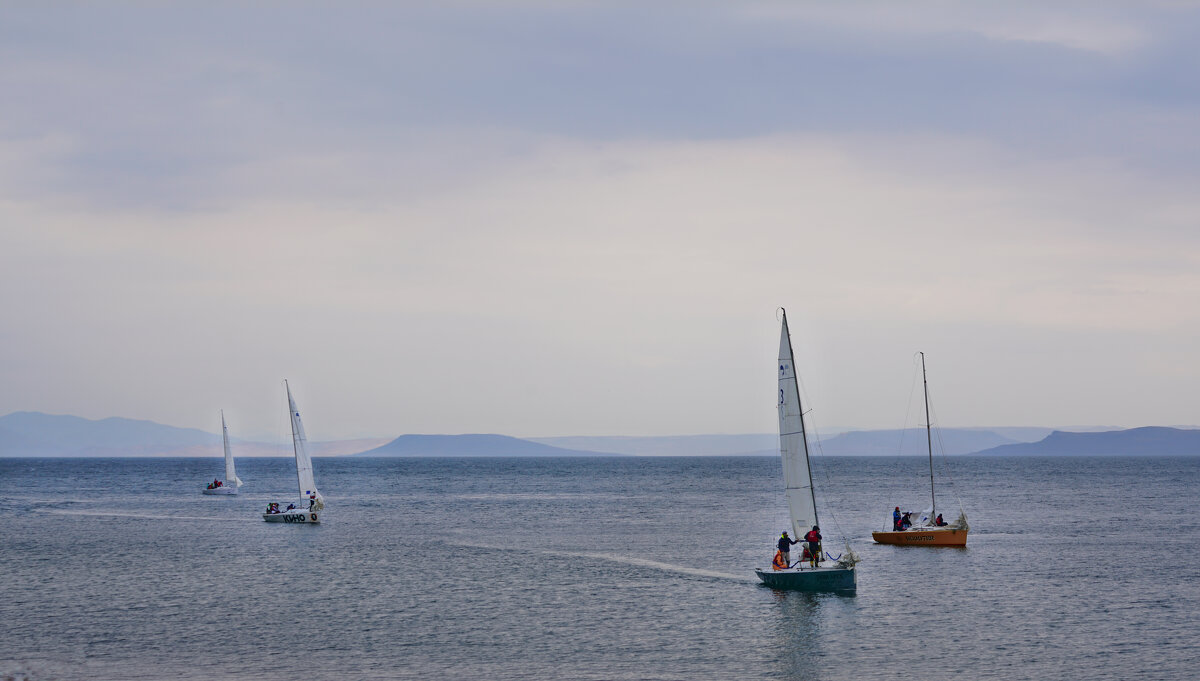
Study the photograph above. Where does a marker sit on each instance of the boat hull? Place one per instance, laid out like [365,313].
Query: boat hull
[923,537]
[221,491]
[816,579]
[306,517]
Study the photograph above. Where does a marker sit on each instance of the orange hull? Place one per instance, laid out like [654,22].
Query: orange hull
[940,537]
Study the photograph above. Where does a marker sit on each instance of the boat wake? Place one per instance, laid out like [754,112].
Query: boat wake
[644,562]
[627,560]
[145,516]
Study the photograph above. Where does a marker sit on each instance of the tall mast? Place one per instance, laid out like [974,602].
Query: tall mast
[295,436]
[803,430]
[928,437]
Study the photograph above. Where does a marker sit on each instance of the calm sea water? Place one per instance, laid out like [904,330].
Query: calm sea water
[599,568]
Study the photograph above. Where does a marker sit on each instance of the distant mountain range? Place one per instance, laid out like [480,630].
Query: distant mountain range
[29,433]
[908,442]
[40,435]
[670,445]
[471,445]
[1148,441]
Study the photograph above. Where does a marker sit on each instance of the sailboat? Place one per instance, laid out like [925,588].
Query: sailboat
[827,575]
[231,483]
[310,501]
[924,530]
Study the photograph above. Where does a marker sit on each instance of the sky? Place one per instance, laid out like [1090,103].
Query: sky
[581,218]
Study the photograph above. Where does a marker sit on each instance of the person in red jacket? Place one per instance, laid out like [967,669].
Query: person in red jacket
[814,545]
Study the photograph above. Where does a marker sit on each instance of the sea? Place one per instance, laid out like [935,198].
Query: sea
[594,568]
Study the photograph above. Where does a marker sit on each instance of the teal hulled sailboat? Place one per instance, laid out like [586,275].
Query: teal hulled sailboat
[827,575]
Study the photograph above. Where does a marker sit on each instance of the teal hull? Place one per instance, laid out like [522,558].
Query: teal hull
[820,579]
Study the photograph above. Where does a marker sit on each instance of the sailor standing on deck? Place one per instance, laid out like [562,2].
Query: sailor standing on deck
[785,547]
[814,545]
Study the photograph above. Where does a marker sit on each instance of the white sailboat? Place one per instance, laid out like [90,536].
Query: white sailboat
[305,508]
[231,483]
[823,574]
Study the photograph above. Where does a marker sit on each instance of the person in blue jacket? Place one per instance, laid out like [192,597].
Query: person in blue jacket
[785,547]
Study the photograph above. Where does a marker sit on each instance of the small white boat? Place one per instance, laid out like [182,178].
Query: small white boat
[824,573]
[231,483]
[306,508]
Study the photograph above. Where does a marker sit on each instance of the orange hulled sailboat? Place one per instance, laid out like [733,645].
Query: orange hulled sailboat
[928,529]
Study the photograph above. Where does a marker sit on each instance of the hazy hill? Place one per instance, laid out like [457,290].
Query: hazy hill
[470,445]
[28,433]
[839,443]
[670,445]
[912,442]
[1148,441]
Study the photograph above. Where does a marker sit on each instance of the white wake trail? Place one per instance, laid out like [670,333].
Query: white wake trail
[645,562]
[144,516]
[614,558]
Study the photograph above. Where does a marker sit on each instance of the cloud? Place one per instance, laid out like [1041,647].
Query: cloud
[540,296]
[547,219]
[1104,28]
[124,105]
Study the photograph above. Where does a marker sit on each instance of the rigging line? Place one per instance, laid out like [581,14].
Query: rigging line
[912,390]
[828,482]
[946,461]
[279,423]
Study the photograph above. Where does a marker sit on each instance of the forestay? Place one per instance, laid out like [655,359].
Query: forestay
[304,469]
[793,444]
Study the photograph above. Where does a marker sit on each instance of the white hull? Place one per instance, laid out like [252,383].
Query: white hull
[307,517]
[223,490]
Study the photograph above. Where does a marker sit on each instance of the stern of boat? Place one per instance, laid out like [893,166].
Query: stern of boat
[938,537]
[306,518]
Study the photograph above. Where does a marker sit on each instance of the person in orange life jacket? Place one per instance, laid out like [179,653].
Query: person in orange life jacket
[785,547]
[896,520]
[814,542]
[939,522]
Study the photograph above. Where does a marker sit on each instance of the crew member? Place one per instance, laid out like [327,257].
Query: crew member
[785,547]
[896,520]
[814,545]
[939,522]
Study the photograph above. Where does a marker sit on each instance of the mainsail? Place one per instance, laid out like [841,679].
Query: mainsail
[793,444]
[304,469]
[231,477]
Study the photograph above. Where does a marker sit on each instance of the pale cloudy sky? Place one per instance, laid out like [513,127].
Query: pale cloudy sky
[567,218]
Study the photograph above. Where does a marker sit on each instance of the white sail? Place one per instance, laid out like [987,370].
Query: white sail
[793,445]
[231,477]
[304,469]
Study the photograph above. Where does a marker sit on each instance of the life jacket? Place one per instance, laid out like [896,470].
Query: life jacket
[812,536]
[805,555]
[777,563]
